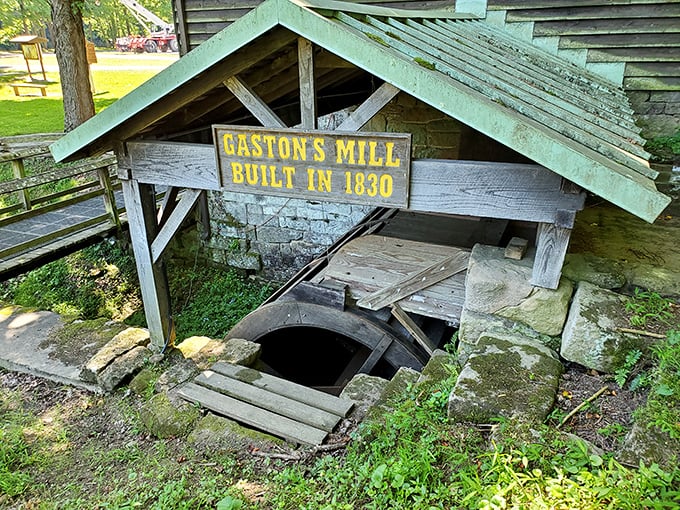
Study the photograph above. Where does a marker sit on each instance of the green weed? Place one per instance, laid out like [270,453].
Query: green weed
[663,403]
[211,301]
[623,372]
[646,306]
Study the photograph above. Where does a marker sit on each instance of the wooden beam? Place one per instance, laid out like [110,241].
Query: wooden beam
[376,355]
[551,247]
[367,110]
[307,88]
[413,328]
[184,207]
[421,280]
[487,189]
[182,165]
[168,205]
[140,202]
[253,103]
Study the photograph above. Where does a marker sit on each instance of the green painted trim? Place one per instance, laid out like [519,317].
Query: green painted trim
[240,33]
[330,6]
[615,183]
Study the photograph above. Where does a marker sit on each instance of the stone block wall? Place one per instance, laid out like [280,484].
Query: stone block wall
[277,236]
[657,112]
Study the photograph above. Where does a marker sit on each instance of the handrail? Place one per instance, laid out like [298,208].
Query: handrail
[104,184]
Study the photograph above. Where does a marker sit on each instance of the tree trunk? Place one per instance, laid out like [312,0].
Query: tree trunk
[69,44]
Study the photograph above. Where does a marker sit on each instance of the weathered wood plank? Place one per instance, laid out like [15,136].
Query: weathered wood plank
[367,110]
[140,204]
[307,85]
[495,5]
[375,355]
[664,54]
[418,334]
[497,190]
[658,26]
[183,165]
[253,416]
[19,173]
[652,83]
[56,174]
[320,400]
[174,222]
[619,41]
[551,248]
[516,248]
[321,294]
[253,103]
[268,400]
[368,263]
[421,280]
[578,11]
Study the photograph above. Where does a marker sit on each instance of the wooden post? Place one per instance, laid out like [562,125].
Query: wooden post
[307,92]
[109,198]
[140,203]
[19,172]
[551,247]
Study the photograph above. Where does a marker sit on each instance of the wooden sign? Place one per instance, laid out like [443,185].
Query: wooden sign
[364,168]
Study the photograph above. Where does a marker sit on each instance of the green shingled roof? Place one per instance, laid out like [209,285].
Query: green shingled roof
[552,112]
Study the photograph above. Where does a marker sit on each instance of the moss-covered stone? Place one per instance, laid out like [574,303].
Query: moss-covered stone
[365,391]
[216,434]
[163,419]
[142,383]
[440,367]
[649,445]
[592,335]
[121,343]
[506,376]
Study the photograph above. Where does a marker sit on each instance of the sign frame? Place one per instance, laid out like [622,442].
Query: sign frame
[334,166]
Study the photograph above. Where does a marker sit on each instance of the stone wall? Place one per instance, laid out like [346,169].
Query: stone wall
[278,236]
[657,112]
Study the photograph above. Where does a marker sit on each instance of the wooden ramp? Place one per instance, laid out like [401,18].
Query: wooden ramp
[273,405]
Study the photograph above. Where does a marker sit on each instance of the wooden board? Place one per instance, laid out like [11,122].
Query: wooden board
[421,280]
[259,397]
[253,416]
[268,403]
[282,387]
[370,263]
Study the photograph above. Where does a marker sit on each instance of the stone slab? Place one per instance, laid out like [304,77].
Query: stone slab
[21,335]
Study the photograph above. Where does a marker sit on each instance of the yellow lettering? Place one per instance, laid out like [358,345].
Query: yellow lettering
[389,147]
[289,172]
[269,140]
[284,148]
[372,188]
[319,152]
[242,149]
[372,160]
[348,183]
[236,173]
[251,174]
[310,180]
[228,144]
[345,151]
[362,152]
[324,177]
[386,185]
[257,148]
[275,183]
[263,169]
[299,149]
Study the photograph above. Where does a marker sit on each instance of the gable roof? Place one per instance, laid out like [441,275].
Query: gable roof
[560,116]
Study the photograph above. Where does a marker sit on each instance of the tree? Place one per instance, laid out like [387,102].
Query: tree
[69,45]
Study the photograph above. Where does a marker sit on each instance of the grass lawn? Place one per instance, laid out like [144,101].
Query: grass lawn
[115,74]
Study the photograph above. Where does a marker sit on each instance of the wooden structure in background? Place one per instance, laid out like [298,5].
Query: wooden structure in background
[576,129]
[31,49]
